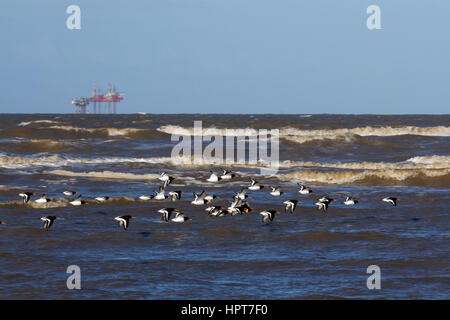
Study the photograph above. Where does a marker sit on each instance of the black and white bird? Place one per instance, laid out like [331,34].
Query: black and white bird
[26,196]
[391,200]
[291,205]
[323,203]
[326,199]
[268,215]
[227,175]
[165,177]
[180,218]
[213,177]
[255,185]
[211,197]
[48,221]
[276,191]
[304,189]
[175,195]
[78,201]
[146,197]
[200,199]
[242,194]
[234,210]
[322,206]
[349,201]
[102,199]
[166,213]
[244,208]
[42,199]
[124,221]
[167,182]
[159,195]
[69,192]
[216,211]
[238,206]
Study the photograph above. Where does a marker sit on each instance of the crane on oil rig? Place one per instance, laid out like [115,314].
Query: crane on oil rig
[111,97]
[81,104]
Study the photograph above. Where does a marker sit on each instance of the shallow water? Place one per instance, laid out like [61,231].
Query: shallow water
[307,254]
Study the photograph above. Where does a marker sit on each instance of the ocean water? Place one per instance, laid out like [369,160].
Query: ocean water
[305,255]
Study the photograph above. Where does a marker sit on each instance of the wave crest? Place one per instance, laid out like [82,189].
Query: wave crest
[105,175]
[302,136]
[104,131]
[13,162]
[350,134]
[372,177]
[27,123]
[212,131]
[425,162]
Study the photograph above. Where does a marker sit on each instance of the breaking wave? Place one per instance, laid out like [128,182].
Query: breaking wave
[48,128]
[350,134]
[182,131]
[419,170]
[62,131]
[425,162]
[440,177]
[105,175]
[424,170]
[435,177]
[105,131]
[421,162]
[27,123]
[430,160]
[13,162]
[302,136]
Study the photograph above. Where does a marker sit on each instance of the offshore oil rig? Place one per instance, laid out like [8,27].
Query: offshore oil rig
[112,97]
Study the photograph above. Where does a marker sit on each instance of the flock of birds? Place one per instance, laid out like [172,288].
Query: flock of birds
[239,204]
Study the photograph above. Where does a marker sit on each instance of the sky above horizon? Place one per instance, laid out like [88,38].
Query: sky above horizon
[228,56]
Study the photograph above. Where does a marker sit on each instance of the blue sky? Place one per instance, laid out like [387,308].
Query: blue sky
[228,56]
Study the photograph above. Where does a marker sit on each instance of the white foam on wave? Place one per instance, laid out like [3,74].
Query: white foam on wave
[105,175]
[307,172]
[304,176]
[107,131]
[346,177]
[71,128]
[291,134]
[122,132]
[349,134]
[302,135]
[14,162]
[430,160]
[425,162]
[26,123]
[212,131]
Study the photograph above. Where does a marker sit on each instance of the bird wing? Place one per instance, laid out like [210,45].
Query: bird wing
[202,195]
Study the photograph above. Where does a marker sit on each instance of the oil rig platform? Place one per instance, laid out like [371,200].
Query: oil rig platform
[111,98]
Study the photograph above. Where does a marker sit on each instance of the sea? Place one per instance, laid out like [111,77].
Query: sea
[307,254]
